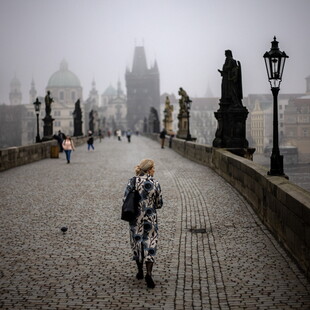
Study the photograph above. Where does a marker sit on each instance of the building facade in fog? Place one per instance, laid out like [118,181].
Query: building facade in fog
[203,123]
[260,119]
[143,91]
[11,125]
[261,126]
[297,124]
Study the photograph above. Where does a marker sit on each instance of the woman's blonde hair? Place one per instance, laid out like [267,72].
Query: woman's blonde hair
[144,166]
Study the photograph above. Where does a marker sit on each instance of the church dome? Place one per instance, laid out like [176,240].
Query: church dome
[110,92]
[15,83]
[63,77]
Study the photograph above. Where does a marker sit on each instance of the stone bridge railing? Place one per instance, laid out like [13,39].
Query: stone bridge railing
[16,156]
[281,205]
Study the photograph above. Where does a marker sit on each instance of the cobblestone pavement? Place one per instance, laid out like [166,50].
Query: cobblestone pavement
[213,253]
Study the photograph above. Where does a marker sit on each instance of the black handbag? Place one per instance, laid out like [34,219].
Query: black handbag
[130,205]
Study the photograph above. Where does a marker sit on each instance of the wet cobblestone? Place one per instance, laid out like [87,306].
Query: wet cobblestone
[214,253]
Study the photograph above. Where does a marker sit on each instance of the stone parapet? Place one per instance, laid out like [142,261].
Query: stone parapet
[281,205]
[16,156]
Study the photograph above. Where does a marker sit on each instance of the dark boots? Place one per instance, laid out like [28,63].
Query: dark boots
[148,278]
[139,275]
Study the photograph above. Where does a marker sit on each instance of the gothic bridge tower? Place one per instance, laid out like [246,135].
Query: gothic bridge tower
[143,91]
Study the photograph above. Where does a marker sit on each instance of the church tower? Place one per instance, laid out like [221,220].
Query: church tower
[119,90]
[32,93]
[15,92]
[93,94]
[143,90]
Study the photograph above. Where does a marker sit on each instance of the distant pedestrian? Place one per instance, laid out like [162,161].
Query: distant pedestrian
[90,141]
[144,229]
[119,134]
[170,140]
[100,135]
[68,147]
[128,135]
[162,136]
[61,138]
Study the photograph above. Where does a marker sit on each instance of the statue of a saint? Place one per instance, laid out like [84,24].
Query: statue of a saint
[77,119]
[168,110]
[48,103]
[168,120]
[183,100]
[77,113]
[231,80]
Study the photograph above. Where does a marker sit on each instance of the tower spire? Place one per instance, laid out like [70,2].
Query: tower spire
[139,65]
[15,91]
[32,92]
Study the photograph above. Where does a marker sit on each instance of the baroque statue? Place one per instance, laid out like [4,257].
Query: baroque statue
[48,102]
[231,81]
[168,120]
[77,119]
[183,100]
[232,115]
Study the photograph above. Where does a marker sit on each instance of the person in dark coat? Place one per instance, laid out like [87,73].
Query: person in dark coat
[162,136]
[61,138]
[90,141]
[128,135]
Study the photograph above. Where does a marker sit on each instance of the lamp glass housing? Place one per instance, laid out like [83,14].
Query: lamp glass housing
[275,61]
[37,105]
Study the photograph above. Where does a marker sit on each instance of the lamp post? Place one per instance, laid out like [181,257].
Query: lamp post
[275,61]
[37,105]
[188,107]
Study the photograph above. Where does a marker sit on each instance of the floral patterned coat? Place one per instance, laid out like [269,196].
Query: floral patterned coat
[144,229]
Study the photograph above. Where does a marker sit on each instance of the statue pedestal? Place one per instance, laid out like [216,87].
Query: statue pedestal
[48,128]
[243,152]
[169,127]
[183,126]
[230,132]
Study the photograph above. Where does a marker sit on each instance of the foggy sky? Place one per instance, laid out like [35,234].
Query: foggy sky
[186,37]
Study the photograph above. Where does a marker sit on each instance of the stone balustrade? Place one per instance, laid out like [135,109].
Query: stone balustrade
[281,205]
[16,156]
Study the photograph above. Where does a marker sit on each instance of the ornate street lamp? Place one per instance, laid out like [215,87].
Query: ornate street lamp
[37,105]
[188,107]
[275,61]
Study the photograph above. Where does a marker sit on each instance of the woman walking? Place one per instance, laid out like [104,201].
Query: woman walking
[144,229]
[68,146]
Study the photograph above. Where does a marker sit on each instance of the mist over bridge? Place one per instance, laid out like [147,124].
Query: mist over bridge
[213,253]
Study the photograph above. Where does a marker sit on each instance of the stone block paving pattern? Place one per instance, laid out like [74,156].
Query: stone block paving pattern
[213,253]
